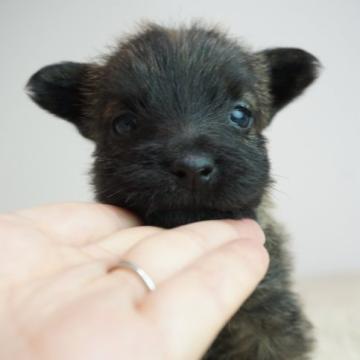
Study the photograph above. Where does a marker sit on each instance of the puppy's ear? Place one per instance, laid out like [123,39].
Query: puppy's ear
[291,72]
[57,89]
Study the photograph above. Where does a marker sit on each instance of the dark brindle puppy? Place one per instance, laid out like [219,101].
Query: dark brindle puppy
[177,119]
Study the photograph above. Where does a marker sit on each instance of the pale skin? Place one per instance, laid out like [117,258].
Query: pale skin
[58,299]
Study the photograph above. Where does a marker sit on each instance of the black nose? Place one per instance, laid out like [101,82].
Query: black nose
[194,170]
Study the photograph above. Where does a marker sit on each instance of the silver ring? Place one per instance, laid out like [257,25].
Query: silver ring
[146,279]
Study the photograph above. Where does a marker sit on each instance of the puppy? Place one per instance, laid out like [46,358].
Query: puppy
[177,117]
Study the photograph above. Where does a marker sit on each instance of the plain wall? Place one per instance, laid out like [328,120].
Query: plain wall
[314,142]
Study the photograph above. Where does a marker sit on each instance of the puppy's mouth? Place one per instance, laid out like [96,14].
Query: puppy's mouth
[165,208]
[179,208]
[169,218]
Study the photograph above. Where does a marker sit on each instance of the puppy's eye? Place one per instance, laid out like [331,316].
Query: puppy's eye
[124,123]
[241,116]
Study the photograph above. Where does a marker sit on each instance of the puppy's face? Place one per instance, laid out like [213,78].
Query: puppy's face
[177,116]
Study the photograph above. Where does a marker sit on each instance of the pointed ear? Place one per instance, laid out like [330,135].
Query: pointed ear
[57,89]
[291,72]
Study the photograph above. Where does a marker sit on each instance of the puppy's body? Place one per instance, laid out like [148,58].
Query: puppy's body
[271,324]
[177,119]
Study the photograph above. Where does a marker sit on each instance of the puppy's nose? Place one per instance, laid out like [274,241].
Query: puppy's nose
[194,170]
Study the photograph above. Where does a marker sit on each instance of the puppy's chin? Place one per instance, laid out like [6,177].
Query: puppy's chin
[172,218]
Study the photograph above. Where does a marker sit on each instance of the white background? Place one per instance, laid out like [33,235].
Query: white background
[314,143]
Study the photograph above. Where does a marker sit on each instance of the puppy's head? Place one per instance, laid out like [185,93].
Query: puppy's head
[177,119]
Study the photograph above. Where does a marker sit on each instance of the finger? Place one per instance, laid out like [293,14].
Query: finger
[78,223]
[164,253]
[118,243]
[206,294]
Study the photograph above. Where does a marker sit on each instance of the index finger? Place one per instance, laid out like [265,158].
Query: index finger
[78,223]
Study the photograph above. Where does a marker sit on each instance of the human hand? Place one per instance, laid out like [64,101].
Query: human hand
[58,299]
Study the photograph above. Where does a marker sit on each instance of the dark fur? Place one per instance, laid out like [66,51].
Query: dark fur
[180,87]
